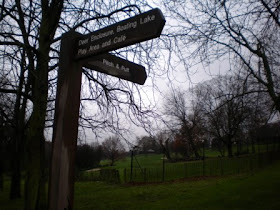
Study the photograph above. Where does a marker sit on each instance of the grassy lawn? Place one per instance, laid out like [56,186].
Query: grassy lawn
[258,191]
[149,168]
[155,160]
[149,160]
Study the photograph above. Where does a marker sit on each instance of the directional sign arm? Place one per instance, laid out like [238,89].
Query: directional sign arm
[136,29]
[116,66]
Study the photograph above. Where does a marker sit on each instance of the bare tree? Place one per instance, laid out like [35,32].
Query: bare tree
[113,149]
[13,90]
[6,122]
[184,117]
[244,33]
[226,108]
[146,143]
[164,139]
[34,29]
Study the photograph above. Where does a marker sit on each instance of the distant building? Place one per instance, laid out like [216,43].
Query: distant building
[151,151]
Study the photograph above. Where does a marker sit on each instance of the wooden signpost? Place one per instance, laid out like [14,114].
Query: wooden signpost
[90,51]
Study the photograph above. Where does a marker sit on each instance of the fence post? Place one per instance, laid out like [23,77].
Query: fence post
[163,168]
[251,165]
[238,165]
[266,144]
[124,175]
[278,142]
[222,170]
[145,175]
[203,167]
[186,170]
[131,165]
[259,161]
[203,158]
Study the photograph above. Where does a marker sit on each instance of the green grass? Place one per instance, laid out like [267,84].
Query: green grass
[139,161]
[155,160]
[258,191]
[5,203]
[148,168]
[149,160]
[259,148]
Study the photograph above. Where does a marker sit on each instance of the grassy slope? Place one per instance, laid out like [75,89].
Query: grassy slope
[154,160]
[259,191]
[149,160]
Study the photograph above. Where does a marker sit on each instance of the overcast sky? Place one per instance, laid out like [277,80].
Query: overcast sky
[178,78]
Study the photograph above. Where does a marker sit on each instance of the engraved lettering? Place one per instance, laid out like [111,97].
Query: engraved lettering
[127,26]
[147,19]
[83,41]
[108,63]
[119,39]
[107,43]
[101,35]
[94,47]
[82,51]
[123,68]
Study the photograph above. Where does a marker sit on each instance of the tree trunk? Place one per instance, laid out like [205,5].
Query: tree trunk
[194,148]
[189,135]
[221,147]
[1,167]
[35,193]
[15,188]
[229,147]
[112,161]
[17,137]
[166,151]
[1,179]
[253,146]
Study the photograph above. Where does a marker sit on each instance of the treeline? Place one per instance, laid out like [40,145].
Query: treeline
[88,156]
[225,113]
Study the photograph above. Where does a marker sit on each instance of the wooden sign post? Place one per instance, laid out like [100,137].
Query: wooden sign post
[90,51]
[65,130]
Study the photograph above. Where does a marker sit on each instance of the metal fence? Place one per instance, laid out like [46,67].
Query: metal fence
[175,171]
[203,168]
